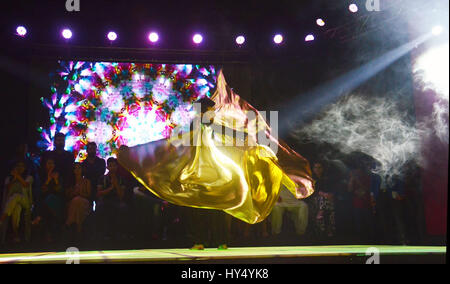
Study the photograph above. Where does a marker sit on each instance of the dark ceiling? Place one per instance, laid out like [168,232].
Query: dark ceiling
[219,21]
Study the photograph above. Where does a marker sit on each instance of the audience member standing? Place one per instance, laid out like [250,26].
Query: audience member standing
[382,205]
[113,202]
[62,159]
[78,195]
[93,168]
[359,186]
[148,214]
[52,207]
[325,217]
[399,207]
[343,205]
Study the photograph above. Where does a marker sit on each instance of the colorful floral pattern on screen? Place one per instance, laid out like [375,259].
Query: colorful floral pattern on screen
[116,104]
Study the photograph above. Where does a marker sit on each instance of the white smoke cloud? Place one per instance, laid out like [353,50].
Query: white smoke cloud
[439,120]
[374,126]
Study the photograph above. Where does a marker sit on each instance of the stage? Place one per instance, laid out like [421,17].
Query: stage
[242,255]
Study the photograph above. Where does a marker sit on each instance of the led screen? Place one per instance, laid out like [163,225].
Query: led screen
[116,104]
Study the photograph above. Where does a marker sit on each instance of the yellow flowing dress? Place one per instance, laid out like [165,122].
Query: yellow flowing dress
[221,171]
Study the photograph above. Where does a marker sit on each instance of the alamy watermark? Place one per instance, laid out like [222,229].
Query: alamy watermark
[73,5]
[247,128]
[73,255]
[373,5]
[374,255]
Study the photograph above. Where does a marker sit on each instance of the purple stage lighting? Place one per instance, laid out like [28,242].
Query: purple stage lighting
[309,37]
[278,38]
[21,31]
[112,36]
[66,33]
[197,38]
[240,40]
[153,37]
[320,22]
[353,8]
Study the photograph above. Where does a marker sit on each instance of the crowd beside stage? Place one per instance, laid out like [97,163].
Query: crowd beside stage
[51,199]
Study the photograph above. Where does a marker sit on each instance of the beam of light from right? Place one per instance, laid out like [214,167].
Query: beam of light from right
[306,106]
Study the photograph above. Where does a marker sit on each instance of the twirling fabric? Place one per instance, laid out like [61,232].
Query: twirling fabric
[220,169]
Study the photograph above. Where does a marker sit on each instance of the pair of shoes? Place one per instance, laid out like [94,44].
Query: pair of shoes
[223,247]
[198,247]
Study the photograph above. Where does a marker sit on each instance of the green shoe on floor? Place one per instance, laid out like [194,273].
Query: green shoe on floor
[198,247]
[223,247]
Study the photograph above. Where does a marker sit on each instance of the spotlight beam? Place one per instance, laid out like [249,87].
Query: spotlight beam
[306,106]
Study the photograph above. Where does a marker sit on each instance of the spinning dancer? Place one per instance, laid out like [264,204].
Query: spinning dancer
[205,168]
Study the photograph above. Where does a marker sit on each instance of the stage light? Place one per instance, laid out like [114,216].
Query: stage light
[309,37]
[66,33]
[437,30]
[240,40]
[112,36]
[21,31]
[434,69]
[278,38]
[153,37]
[320,22]
[353,8]
[197,38]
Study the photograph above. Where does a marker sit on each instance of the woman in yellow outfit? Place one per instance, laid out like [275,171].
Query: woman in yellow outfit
[219,164]
[18,200]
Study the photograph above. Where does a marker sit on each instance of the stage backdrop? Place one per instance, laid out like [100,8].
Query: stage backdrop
[116,104]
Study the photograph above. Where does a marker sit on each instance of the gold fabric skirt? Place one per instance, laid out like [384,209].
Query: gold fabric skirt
[216,171]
